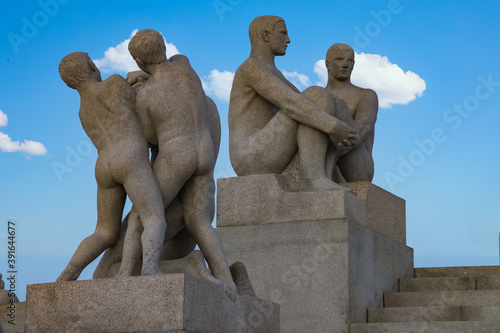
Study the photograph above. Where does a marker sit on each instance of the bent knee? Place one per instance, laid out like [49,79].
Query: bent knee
[321,97]
[107,238]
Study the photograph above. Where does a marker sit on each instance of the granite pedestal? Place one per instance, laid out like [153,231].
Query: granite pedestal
[154,304]
[325,257]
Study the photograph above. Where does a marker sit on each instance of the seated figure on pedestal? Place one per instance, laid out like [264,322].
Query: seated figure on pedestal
[270,120]
[356,164]
[108,116]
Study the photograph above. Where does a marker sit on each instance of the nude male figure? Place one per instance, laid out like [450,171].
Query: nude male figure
[270,120]
[176,116]
[107,113]
[357,164]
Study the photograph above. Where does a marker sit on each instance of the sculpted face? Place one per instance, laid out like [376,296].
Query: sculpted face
[340,64]
[96,74]
[278,39]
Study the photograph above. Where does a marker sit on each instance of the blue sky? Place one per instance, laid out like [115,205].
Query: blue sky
[434,64]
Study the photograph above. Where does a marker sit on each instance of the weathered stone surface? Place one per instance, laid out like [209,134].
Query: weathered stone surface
[324,274]
[437,284]
[385,212]
[412,314]
[453,299]
[263,199]
[165,303]
[428,327]
[488,282]
[481,313]
[434,313]
[457,271]
[439,298]
[316,253]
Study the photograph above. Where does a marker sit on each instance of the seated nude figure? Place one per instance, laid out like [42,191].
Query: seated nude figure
[176,117]
[270,120]
[109,118]
[357,164]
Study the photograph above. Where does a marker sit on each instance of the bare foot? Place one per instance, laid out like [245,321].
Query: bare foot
[230,291]
[68,274]
[197,262]
[241,279]
[151,271]
[121,276]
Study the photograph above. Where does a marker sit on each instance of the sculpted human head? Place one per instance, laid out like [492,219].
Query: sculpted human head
[77,68]
[340,61]
[271,31]
[147,47]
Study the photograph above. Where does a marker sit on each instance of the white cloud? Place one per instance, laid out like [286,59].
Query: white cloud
[320,70]
[301,81]
[3,119]
[218,84]
[118,58]
[390,82]
[28,147]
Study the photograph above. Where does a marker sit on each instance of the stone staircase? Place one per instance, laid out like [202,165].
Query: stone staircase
[436,300]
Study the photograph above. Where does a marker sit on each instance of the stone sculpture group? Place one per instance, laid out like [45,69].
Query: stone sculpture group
[326,132]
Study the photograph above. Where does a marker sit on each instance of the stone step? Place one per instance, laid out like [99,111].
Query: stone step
[409,314]
[434,313]
[428,327]
[488,282]
[456,271]
[449,283]
[442,298]
[437,284]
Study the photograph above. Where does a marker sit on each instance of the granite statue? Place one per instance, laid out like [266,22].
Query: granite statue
[179,119]
[356,164]
[271,121]
[108,116]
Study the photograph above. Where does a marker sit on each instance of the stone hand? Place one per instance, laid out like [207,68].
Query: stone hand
[344,137]
[136,77]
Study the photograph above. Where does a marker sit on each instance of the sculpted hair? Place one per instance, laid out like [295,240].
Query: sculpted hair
[75,69]
[261,23]
[338,47]
[148,46]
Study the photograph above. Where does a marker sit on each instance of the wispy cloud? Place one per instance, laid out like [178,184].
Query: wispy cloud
[301,81]
[390,82]
[218,84]
[118,58]
[28,146]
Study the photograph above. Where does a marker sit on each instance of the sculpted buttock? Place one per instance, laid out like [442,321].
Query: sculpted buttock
[107,113]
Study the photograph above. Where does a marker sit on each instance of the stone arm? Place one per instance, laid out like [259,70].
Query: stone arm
[136,77]
[366,115]
[297,106]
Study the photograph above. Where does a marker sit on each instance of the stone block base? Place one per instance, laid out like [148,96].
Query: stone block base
[325,257]
[153,304]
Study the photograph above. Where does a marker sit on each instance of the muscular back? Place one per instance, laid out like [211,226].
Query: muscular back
[172,103]
[107,114]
